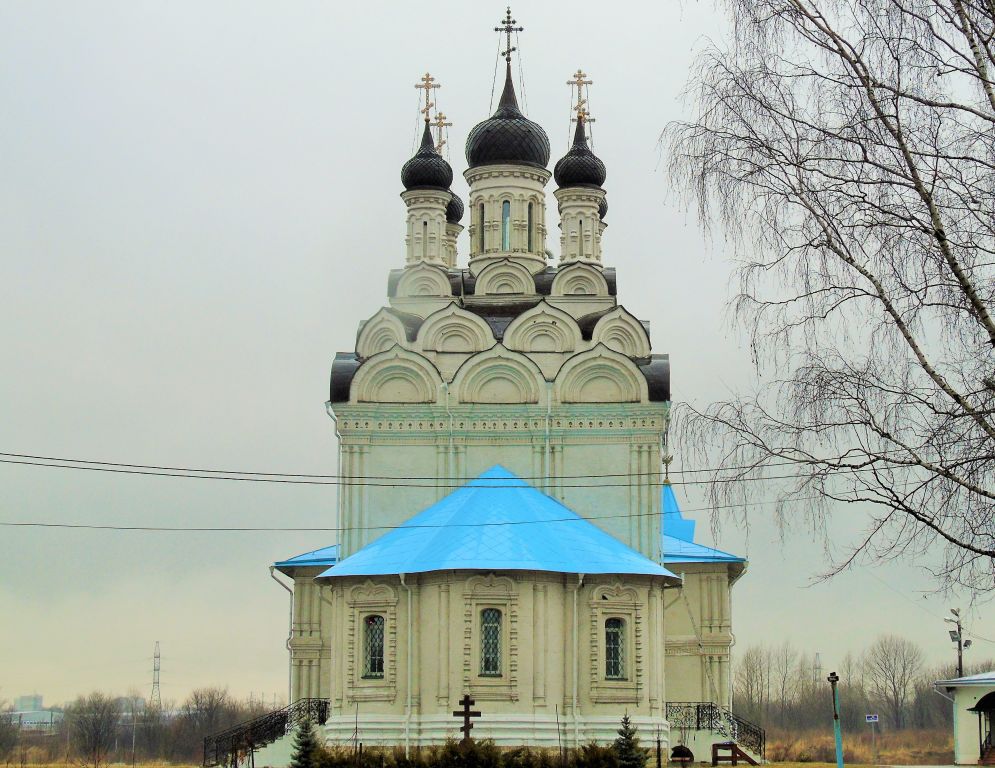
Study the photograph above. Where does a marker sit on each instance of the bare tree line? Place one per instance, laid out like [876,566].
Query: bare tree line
[99,728]
[779,687]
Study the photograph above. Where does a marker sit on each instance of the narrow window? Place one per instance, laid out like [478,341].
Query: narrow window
[424,240]
[490,642]
[506,226]
[373,647]
[530,228]
[480,226]
[614,649]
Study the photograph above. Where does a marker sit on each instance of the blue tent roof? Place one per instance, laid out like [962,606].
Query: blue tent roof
[496,522]
[678,537]
[323,556]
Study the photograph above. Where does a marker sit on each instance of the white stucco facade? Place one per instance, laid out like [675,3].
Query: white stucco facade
[974,715]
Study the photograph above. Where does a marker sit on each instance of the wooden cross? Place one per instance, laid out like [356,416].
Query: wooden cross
[466,713]
[440,125]
[427,84]
[508,28]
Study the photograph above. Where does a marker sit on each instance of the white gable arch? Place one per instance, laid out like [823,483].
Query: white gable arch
[381,332]
[453,329]
[396,376]
[503,278]
[499,376]
[600,375]
[621,331]
[544,328]
[423,280]
[579,280]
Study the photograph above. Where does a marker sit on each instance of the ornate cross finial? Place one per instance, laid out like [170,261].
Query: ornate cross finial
[580,82]
[666,459]
[427,84]
[440,125]
[508,28]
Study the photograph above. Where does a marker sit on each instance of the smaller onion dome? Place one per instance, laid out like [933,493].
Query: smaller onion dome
[454,211]
[427,168]
[579,167]
[603,208]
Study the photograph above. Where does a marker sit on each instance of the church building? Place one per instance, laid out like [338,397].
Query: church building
[507,530]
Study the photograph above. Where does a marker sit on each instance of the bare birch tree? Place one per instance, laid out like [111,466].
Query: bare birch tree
[846,149]
[892,667]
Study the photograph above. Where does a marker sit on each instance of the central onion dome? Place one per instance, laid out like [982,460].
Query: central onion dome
[580,167]
[507,137]
[454,211]
[427,168]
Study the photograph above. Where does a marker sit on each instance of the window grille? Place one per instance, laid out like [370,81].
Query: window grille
[480,233]
[490,642]
[615,649]
[373,647]
[506,226]
[531,225]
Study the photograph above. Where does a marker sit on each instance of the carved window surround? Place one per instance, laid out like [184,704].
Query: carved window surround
[616,601]
[363,600]
[483,592]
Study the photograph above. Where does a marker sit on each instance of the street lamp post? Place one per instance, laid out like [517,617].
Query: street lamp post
[837,730]
[957,636]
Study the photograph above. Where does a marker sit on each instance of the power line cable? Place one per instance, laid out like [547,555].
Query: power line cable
[402,482]
[164,470]
[341,529]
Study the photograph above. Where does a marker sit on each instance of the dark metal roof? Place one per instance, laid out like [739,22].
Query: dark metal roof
[427,168]
[344,367]
[579,167]
[507,137]
[587,322]
[657,373]
[454,211]
[603,208]
[500,316]
[463,283]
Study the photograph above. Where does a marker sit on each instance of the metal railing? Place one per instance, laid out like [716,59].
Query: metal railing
[708,716]
[231,745]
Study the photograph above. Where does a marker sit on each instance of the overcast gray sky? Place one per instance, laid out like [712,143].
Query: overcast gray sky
[198,204]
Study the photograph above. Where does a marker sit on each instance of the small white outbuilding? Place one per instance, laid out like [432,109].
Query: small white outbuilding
[974,717]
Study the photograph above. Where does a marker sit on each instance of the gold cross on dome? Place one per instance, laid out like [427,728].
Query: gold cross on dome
[580,81]
[427,83]
[508,28]
[440,124]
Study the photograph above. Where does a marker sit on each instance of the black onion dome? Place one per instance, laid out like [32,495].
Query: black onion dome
[603,208]
[579,167]
[507,137]
[454,211]
[427,168]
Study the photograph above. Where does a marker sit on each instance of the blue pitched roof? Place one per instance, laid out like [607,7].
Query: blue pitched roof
[496,522]
[678,544]
[323,556]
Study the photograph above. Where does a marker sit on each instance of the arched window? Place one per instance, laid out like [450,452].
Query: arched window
[615,649]
[480,228]
[531,225]
[490,642]
[373,647]
[506,225]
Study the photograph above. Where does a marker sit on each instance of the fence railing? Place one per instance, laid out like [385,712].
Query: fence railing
[229,746]
[708,716]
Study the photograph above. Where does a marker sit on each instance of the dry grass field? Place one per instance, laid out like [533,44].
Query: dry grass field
[893,748]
